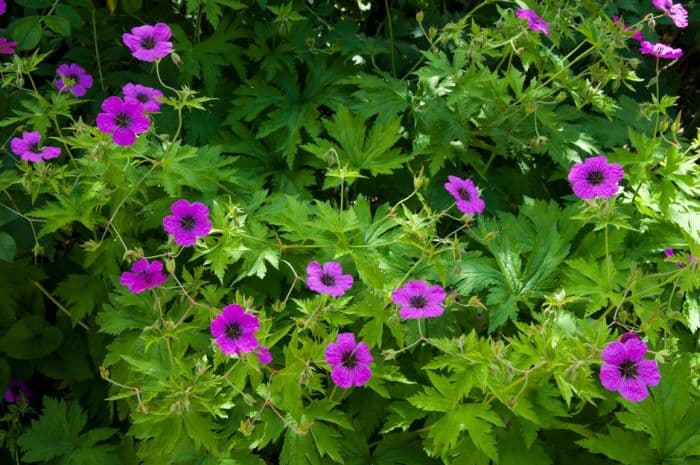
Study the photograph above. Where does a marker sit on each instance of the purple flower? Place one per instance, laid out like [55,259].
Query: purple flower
[16,390]
[3,7]
[636,36]
[595,177]
[7,47]
[234,330]
[660,50]
[625,369]
[28,148]
[124,120]
[188,222]
[466,195]
[143,275]
[149,43]
[350,361]
[73,78]
[263,354]
[534,22]
[675,11]
[328,279]
[668,252]
[417,299]
[146,96]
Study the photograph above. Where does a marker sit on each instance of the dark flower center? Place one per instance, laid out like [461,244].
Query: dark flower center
[350,360]
[628,369]
[147,277]
[148,43]
[143,98]
[464,194]
[328,280]
[187,223]
[418,301]
[234,330]
[595,177]
[34,148]
[122,120]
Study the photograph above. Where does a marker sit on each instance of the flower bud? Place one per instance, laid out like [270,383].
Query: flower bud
[419,16]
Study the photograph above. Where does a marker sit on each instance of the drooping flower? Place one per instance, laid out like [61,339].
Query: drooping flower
[625,370]
[144,275]
[350,361]
[188,222]
[328,279]
[7,47]
[28,147]
[418,299]
[636,36]
[534,22]
[146,96]
[16,390]
[675,11]
[466,195]
[263,354]
[660,50]
[124,120]
[149,43]
[595,177]
[73,78]
[234,330]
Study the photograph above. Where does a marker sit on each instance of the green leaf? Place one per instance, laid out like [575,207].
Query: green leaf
[7,247]
[27,32]
[58,24]
[623,446]
[30,337]
[82,293]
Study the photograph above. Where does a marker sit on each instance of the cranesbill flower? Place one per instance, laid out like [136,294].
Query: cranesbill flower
[188,222]
[466,195]
[146,96]
[636,36]
[668,252]
[124,120]
[7,47]
[149,43]
[534,22]
[660,50]
[675,11]
[417,299]
[144,275]
[3,7]
[595,177]
[234,330]
[73,78]
[16,390]
[625,370]
[328,279]
[263,354]
[350,361]
[28,147]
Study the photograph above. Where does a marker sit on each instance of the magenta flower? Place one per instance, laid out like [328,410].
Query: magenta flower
[16,390]
[595,177]
[417,299]
[144,275]
[124,120]
[3,7]
[625,370]
[328,279]
[263,354]
[466,195]
[146,96]
[28,147]
[534,22]
[149,43]
[73,78]
[350,361]
[234,330]
[668,252]
[675,11]
[7,47]
[660,50]
[636,36]
[188,222]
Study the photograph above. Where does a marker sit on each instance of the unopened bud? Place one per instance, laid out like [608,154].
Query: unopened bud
[176,59]
[419,16]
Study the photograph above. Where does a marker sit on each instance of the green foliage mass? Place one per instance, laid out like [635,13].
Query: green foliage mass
[326,130]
